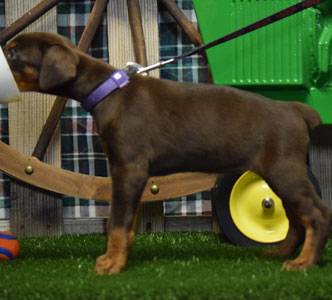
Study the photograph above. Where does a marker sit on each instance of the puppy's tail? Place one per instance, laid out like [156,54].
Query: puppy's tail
[310,116]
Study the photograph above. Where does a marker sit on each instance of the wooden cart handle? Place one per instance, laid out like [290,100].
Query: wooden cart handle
[33,171]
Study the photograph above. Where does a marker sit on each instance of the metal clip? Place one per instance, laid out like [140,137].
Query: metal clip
[133,68]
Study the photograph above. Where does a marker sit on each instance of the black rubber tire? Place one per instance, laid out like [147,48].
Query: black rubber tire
[220,203]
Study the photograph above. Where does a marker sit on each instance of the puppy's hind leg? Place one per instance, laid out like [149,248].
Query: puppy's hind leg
[294,237]
[128,185]
[290,182]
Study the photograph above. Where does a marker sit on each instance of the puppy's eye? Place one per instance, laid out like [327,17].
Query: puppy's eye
[11,54]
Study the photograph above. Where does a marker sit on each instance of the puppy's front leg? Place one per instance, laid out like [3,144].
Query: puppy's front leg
[128,185]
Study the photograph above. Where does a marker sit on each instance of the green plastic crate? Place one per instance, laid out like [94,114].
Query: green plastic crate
[288,60]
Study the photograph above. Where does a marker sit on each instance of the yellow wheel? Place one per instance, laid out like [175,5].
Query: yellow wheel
[257,211]
[249,212]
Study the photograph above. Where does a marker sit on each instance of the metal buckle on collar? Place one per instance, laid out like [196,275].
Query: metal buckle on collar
[132,68]
[118,79]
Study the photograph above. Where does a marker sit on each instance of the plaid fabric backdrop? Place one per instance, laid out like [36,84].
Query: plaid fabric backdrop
[81,151]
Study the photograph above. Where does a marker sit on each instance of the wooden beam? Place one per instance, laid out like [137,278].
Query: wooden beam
[119,42]
[187,27]
[136,26]
[183,22]
[24,21]
[69,183]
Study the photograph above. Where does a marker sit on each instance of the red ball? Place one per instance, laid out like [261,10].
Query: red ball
[9,246]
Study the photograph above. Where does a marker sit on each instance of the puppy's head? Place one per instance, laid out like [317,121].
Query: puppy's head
[41,61]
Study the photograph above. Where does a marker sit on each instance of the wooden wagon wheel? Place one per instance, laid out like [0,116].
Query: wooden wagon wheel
[33,171]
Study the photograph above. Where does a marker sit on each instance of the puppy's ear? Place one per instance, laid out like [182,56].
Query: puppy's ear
[59,65]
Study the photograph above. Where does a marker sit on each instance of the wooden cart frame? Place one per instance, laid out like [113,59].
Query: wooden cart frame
[32,170]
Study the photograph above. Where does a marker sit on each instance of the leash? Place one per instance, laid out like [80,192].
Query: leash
[121,77]
[137,69]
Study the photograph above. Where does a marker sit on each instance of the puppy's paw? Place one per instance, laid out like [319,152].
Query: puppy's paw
[108,265]
[296,265]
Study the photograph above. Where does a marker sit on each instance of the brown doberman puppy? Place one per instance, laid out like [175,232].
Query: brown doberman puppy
[153,127]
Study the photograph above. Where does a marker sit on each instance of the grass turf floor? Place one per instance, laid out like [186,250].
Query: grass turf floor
[160,266]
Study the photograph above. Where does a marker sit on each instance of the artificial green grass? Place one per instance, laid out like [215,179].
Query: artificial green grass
[160,266]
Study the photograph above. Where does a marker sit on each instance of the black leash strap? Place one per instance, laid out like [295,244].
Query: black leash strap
[261,23]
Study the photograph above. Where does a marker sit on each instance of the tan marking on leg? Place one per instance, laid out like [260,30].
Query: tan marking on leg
[307,257]
[115,258]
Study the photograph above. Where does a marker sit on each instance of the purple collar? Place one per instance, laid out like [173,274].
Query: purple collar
[117,80]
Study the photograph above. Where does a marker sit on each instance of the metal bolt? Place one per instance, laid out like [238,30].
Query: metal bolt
[29,170]
[154,188]
[267,203]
